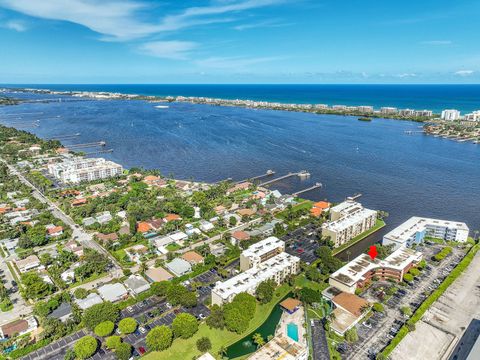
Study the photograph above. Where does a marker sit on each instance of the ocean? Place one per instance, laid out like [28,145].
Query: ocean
[431,97]
[405,175]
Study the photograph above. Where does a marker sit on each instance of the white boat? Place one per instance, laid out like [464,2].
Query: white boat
[162,106]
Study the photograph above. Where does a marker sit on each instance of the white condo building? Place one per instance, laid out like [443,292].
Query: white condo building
[415,229]
[264,267]
[260,252]
[474,116]
[388,110]
[80,169]
[450,115]
[348,219]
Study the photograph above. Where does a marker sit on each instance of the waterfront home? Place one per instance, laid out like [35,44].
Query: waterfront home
[179,267]
[89,301]
[136,284]
[62,313]
[152,180]
[158,274]
[29,263]
[239,236]
[18,327]
[239,187]
[193,257]
[113,292]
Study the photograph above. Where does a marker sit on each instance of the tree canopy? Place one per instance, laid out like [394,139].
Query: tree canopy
[185,325]
[99,313]
[159,338]
[85,347]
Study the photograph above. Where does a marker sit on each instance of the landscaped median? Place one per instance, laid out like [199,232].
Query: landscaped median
[187,349]
[378,225]
[434,296]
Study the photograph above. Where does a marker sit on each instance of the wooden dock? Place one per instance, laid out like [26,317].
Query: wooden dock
[290,174]
[87,145]
[316,186]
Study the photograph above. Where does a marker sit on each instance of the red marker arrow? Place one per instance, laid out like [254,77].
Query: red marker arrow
[373,252]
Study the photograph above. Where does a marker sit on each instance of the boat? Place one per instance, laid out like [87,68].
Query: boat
[304,174]
[364,118]
[162,106]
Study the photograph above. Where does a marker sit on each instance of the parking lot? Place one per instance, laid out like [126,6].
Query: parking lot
[57,349]
[303,242]
[377,332]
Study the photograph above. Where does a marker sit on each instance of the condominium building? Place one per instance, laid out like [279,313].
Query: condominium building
[426,113]
[276,268]
[407,112]
[361,270]
[261,252]
[450,115]
[474,116]
[80,169]
[388,110]
[415,229]
[348,219]
[365,109]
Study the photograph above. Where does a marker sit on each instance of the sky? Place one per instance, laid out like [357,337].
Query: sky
[239,41]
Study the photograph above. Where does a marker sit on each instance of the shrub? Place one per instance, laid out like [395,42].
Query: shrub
[159,338]
[204,344]
[85,347]
[184,326]
[80,293]
[378,307]
[351,335]
[99,313]
[408,277]
[414,272]
[127,325]
[123,351]
[105,328]
[113,342]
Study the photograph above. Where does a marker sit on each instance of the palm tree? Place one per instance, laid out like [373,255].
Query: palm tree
[143,267]
[258,339]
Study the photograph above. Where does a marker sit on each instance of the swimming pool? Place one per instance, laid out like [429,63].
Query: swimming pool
[292,331]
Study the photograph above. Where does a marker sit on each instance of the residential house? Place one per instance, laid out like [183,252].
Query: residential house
[136,252]
[113,292]
[79,202]
[27,264]
[193,257]
[172,217]
[89,301]
[62,313]
[136,284]
[246,212]
[68,276]
[206,226]
[158,274]
[104,217]
[18,327]
[74,247]
[239,236]
[179,266]
[239,187]
[217,249]
[107,238]
[54,231]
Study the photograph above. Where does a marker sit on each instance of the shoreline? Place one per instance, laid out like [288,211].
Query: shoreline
[421,116]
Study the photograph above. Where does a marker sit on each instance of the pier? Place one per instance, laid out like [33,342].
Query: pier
[87,145]
[316,186]
[108,151]
[268,173]
[64,137]
[354,197]
[302,173]
[412,132]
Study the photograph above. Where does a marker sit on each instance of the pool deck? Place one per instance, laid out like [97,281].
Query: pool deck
[297,318]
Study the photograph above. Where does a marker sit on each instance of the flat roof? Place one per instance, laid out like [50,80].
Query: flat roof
[252,277]
[263,247]
[355,270]
[158,274]
[349,219]
[279,348]
[417,224]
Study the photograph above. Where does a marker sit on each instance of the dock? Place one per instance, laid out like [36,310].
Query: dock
[108,151]
[87,145]
[268,173]
[316,186]
[302,173]
[412,132]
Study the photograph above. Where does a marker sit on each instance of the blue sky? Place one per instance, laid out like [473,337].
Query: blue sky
[239,41]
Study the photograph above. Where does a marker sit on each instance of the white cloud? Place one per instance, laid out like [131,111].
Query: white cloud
[168,49]
[261,24]
[238,63]
[464,72]
[437,42]
[16,25]
[405,75]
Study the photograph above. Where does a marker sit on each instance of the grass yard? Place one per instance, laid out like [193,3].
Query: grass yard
[173,247]
[302,281]
[187,349]
[305,205]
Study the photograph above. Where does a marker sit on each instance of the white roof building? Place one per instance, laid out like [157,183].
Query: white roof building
[79,169]
[415,229]
[113,292]
[89,301]
[136,284]
[276,268]
[260,252]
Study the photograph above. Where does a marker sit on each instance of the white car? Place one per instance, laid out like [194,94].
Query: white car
[130,309]
[142,329]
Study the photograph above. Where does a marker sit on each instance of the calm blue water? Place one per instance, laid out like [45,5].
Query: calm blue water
[405,175]
[292,331]
[432,97]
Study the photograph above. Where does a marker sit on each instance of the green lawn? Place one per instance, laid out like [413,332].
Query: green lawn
[307,204]
[380,224]
[173,247]
[302,281]
[187,349]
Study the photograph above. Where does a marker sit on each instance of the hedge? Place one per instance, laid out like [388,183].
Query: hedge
[432,298]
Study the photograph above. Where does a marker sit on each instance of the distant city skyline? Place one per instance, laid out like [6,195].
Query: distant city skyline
[239,41]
